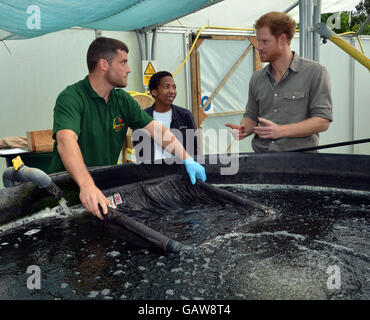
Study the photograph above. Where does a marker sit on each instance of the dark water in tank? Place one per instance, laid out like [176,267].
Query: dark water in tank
[316,247]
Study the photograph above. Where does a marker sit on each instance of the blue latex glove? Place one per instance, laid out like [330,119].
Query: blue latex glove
[194,170]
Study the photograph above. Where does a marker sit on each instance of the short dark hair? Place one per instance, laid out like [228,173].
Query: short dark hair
[155,79]
[103,48]
[279,23]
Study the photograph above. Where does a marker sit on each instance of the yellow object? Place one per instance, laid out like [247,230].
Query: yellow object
[351,50]
[149,69]
[148,73]
[322,29]
[362,49]
[17,163]
[135,93]
[358,39]
[130,151]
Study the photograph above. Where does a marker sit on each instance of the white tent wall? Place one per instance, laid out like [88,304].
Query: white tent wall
[38,69]
[225,14]
[217,57]
[361,107]
[170,53]
[351,98]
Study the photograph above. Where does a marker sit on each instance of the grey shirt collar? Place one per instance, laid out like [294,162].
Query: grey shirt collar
[294,66]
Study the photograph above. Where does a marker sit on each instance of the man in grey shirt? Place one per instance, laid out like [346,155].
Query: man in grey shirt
[289,100]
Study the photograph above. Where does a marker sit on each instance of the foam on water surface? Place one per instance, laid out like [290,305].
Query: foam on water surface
[237,254]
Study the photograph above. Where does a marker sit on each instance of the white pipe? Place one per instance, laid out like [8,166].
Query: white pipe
[309,28]
[302,22]
[140,41]
[291,7]
[147,54]
[154,44]
[316,37]
[352,97]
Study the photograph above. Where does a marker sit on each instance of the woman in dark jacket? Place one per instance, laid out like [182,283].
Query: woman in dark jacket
[179,120]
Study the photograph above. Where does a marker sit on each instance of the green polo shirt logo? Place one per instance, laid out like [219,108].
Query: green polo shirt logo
[118,123]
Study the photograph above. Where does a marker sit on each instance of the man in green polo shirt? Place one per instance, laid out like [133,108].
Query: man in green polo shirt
[91,118]
[289,100]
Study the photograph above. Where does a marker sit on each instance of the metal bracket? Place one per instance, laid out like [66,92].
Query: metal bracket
[98,34]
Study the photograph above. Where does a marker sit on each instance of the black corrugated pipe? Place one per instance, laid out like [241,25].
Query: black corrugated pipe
[155,237]
[235,198]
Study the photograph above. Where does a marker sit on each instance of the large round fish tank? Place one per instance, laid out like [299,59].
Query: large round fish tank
[313,246]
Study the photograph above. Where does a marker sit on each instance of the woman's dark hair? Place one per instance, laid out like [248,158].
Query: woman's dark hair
[155,80]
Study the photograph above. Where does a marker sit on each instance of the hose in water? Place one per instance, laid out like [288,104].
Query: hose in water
[235,198]
[155,237]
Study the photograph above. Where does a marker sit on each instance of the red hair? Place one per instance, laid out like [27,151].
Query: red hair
[279,23]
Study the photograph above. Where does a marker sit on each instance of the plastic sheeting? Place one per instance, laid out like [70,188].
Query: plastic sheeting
[217,57]
[25,18]
[243,13]
[21,19]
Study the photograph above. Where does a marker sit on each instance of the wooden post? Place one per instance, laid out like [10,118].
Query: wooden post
[257,63]
[195,78]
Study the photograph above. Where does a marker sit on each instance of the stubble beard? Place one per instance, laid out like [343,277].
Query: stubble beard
[275,55]
[116,83]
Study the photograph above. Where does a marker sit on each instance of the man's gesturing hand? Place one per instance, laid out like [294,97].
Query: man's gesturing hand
[238,132]
[268,130]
